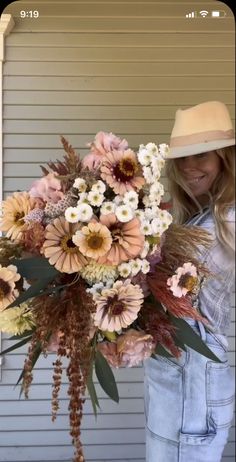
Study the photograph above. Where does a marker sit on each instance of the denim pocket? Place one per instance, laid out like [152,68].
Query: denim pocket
[220,389]
[164,382]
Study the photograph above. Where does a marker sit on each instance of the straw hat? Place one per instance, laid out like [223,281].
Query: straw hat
[201,128]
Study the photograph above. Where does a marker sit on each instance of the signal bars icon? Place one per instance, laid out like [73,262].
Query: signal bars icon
[191,15]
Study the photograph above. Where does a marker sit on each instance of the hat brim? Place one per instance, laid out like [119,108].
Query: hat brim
[192,149]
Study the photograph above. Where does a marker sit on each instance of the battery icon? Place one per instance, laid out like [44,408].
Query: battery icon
[218,14]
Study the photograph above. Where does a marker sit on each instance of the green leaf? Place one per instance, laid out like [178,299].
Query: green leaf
[16,345]
[92,390]
[34,267]
[160,350]
[105,376]
[35,357]
[33,291]
[179,343]
[26,333]
[189,337]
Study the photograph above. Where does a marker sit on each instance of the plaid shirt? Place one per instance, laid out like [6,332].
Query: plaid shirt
[215,295]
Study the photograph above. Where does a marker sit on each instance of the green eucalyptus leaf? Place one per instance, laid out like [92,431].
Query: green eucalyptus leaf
[16,345]
[92,391]
[33,291]
[189,337]
[24,334]
[105,376]
[34,267]
[160,350]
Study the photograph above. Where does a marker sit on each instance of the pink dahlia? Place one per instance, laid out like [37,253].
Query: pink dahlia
[118,306]
[127,240]
[103,143]
[121,171]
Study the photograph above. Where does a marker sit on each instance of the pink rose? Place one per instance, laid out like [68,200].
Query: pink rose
[129,350]
[103,143]
[47,188]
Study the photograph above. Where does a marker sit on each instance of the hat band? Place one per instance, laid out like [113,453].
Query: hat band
[202,137]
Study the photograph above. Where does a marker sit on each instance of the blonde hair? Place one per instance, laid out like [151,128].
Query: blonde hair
[222,195]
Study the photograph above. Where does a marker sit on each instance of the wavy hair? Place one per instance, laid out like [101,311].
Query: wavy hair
[221,196]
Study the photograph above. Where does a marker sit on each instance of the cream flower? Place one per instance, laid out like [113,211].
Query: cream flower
[72,215]
[94,273]
[118,306]
[121,171]
[15,209]
[8,292]
[16,320]
[93,240]
[59,247]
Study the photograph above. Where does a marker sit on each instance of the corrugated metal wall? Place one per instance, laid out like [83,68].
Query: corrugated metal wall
[81,67]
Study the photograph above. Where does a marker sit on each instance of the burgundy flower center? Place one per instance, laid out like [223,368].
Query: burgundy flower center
[125,170]
[114,306]
[187,281]
[68,245]
[116,231]
[5,289]
[18,218]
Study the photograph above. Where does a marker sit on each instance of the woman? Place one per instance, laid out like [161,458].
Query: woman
[189,401]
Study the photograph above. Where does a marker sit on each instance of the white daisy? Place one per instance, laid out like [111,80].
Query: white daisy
[146,227]
[136,266]
[83,198]
[85,212]
[152,147]
[144,157]
[145,266]
[124,213]
[131,199]
[148,174]
[72,215]
[164,149]
[145,249]
[95,198]
[80,184]
[107,207]
[99,186]
[124,269]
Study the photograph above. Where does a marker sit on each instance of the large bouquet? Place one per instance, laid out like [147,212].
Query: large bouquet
[92,267]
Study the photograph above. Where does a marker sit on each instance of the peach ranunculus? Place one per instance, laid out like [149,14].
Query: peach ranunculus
[129,349]
[127,240]
[134,346]
[103,143]
[47,188]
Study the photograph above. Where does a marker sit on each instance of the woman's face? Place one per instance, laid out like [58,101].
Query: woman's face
[199,172]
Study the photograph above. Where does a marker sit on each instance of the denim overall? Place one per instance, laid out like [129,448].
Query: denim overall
[189,402]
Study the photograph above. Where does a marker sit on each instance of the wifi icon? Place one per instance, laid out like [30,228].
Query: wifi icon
[203,13]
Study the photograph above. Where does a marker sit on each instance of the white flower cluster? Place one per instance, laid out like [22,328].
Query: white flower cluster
[133,267]
[86,201]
